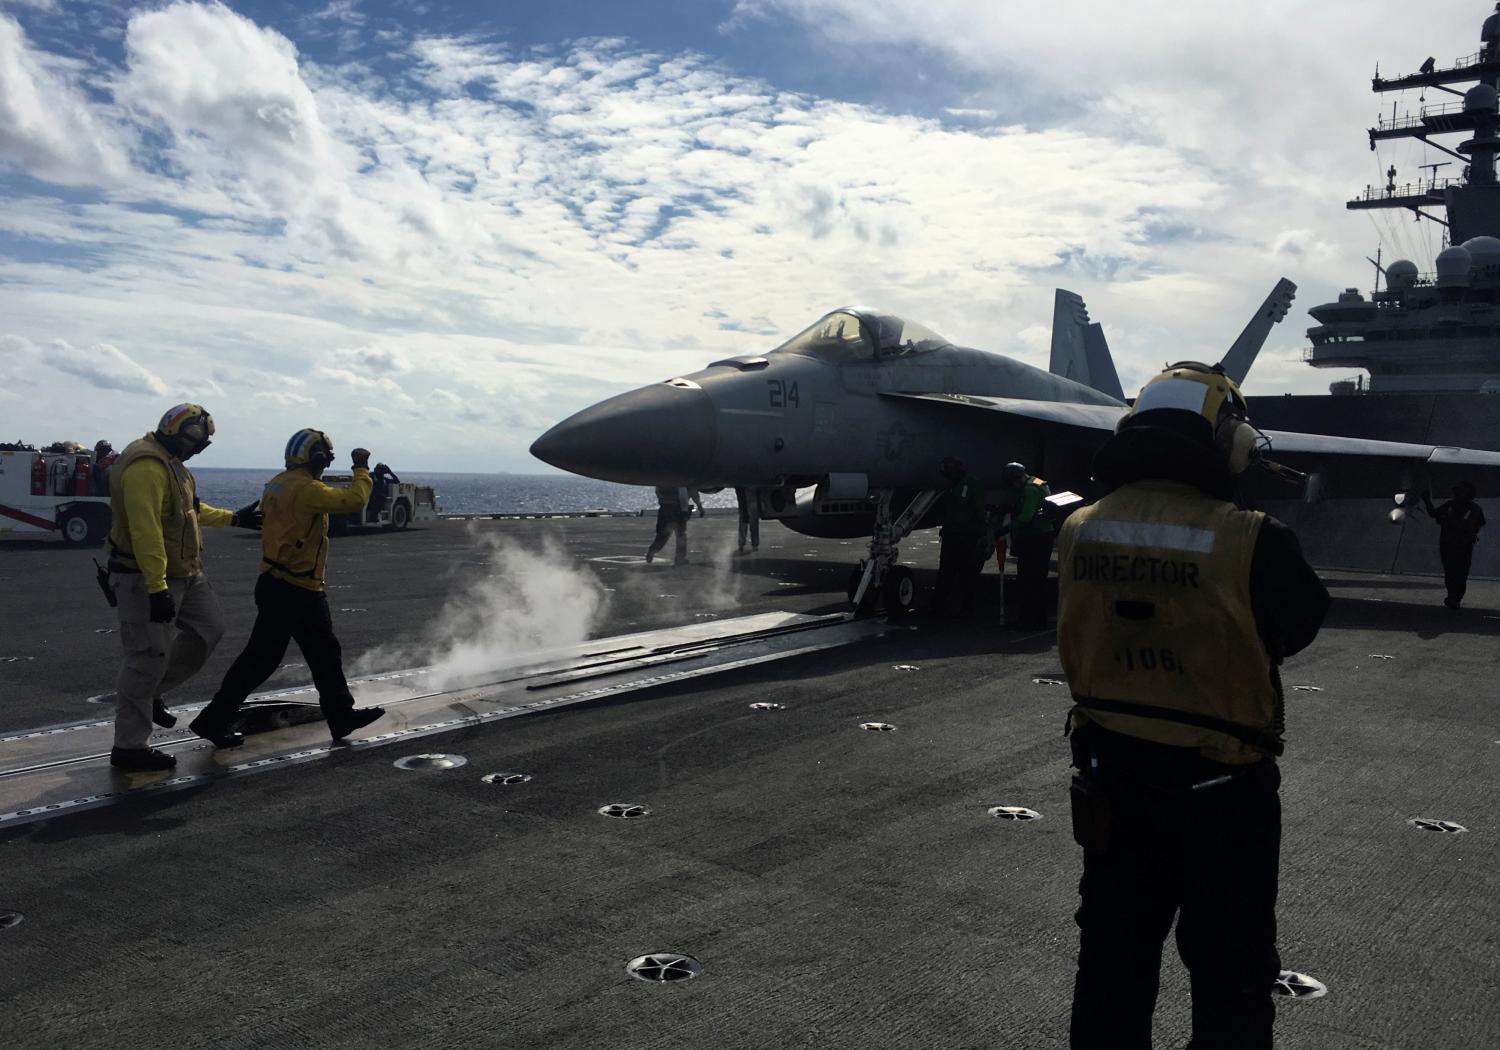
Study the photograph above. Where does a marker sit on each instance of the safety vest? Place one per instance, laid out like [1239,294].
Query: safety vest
[1155,629]
[1035,493]
[294,546]
[181,536]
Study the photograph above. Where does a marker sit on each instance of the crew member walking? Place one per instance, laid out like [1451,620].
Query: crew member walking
[749,517]
[674,506]
[1175,610]
[1031,532]
[965,539]
[1459,521]
[170,620]
[290,602]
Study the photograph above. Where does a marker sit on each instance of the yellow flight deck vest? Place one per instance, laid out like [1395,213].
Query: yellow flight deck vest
[181,536]
[294,546]
[1154,617]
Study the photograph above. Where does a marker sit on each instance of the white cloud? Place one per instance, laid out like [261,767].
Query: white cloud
[103,366]
[508,235]
[48,128]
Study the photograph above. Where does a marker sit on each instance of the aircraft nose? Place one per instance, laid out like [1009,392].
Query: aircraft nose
[657,435]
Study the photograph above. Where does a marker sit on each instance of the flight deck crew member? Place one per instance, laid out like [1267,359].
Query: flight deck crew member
[290,602]
[674,506]
[169,616]
[965,539]
[749,504]
[1031,532]
[381,478]
[1459,520]
[1175,610]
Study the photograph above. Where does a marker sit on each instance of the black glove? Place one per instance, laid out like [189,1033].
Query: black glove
[248,517]
[361,457]
[163,608]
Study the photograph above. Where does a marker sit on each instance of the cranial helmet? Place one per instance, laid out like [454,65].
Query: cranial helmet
[309,448]
[187,429]
[1190,391]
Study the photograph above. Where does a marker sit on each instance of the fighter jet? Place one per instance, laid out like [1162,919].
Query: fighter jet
[840,430]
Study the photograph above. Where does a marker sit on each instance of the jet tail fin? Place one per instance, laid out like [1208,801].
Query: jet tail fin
[1079,351]
[1242,354]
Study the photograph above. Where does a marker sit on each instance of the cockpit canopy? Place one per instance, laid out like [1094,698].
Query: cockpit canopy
[849,335]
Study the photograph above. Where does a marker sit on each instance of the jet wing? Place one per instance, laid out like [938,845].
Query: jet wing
[1102,418]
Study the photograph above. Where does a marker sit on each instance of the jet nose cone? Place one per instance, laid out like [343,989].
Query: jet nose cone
[657,435]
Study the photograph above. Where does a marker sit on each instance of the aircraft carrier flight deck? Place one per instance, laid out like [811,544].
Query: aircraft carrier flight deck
[854,833]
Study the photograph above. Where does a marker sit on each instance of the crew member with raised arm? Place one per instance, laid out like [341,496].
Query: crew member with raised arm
[290,602]
[170,620]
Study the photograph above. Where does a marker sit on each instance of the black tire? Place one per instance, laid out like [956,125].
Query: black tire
[75,528]
[400,515]
[899,590]
[84,526]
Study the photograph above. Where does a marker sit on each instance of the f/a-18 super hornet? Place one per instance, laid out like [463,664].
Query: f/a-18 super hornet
[839,431]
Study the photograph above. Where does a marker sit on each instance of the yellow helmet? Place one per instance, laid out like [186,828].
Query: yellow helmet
[187,429]
[1209,394]
[309,448]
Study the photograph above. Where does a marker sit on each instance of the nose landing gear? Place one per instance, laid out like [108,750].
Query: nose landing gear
[879,577]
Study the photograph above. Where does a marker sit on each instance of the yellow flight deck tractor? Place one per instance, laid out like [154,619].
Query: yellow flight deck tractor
[393,505]
[53,492]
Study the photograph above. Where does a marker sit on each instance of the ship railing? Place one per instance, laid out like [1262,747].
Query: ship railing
[1409,189]
[1412,120]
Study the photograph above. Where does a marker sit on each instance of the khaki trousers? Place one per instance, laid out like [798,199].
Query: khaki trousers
[159,656]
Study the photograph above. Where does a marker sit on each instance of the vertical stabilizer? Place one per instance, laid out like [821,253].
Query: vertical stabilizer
[1243,353]
[1079,351]
[1102,372]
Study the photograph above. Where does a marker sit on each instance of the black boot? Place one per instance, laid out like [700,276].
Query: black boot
[160,715]
[340,726]
[220,736]
[140,759]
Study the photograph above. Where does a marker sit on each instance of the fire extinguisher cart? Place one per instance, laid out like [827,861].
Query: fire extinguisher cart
[51,494]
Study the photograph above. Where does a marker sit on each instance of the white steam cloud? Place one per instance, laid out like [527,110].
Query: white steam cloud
[522,601]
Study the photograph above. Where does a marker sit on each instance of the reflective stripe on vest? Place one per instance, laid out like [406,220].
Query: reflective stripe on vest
[181,537]
[1155,628]
[294,547]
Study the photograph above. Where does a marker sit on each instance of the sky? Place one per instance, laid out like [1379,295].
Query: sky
[436,228]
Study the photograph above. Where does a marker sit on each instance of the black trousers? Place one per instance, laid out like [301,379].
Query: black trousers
[1033,557]
[960,560]
[1457,556]
[284,613]
[671,522]
[1209,857]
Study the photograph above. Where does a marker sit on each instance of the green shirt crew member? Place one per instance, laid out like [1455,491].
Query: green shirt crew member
[170,620]
[290,602]
[1031,532]
[1175,609]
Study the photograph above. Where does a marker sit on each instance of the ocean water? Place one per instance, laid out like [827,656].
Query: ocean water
[470,493]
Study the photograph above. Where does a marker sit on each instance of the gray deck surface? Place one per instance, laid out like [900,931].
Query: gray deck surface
[841,888]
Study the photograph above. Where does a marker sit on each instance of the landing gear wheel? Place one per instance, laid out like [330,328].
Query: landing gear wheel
[899,590]
[400,515]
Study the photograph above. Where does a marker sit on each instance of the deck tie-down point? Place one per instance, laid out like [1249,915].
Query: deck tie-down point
[1294,985]
[430,762]
[664,966]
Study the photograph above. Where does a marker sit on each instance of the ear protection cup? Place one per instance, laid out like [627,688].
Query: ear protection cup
[1237,439]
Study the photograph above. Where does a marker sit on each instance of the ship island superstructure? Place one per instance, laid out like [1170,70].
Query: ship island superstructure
[1436,332]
